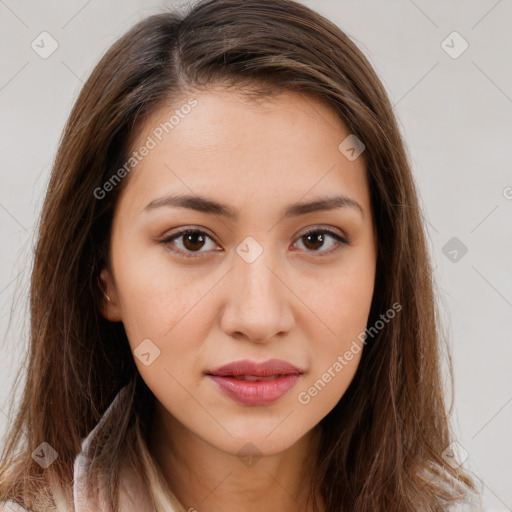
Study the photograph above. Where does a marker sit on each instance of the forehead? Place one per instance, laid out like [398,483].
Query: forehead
[279,149]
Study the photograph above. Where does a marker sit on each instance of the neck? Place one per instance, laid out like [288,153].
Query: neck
[207,479]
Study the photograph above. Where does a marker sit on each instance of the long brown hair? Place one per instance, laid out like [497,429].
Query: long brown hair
[381,446]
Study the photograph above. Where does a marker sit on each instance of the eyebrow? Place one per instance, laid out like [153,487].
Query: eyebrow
[210,206]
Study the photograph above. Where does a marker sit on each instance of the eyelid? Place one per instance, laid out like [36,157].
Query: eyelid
[332,231]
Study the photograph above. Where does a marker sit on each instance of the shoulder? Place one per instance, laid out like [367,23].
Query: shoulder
[12,506]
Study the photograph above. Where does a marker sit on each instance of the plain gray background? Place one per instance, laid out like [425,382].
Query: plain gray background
[455,110]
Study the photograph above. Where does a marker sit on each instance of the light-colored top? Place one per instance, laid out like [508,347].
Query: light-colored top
[131,498]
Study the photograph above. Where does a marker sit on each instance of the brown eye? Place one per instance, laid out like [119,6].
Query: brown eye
[190,242]
[193,240]
[315,239]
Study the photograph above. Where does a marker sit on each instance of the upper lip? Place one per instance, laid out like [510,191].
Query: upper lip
[262,369]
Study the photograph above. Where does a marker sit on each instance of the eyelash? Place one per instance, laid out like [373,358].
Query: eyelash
[341,242]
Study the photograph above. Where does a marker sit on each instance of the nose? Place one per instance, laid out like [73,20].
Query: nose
[259,301]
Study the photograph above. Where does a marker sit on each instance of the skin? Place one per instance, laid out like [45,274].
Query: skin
[202,312]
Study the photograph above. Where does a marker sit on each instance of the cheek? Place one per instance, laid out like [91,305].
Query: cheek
[336,350]
[166,314]
[159,300]
[336,332]
[341,300]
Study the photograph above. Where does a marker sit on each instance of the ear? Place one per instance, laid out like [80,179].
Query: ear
[109,307]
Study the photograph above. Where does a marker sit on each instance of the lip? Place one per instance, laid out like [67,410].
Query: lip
[262,369]
[228,379]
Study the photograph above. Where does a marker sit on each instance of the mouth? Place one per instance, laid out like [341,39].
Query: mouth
[248,368]
[251,383]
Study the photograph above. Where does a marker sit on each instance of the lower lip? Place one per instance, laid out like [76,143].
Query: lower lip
[255,392]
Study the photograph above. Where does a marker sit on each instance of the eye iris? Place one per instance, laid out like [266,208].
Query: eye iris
[193,238]
[316,235]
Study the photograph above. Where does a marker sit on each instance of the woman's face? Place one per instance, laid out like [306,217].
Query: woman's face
[249,283]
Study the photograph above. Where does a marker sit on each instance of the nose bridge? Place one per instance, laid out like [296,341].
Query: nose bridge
[257,283]
[257,305]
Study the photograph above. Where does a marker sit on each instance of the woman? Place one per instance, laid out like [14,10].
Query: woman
[232,300]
